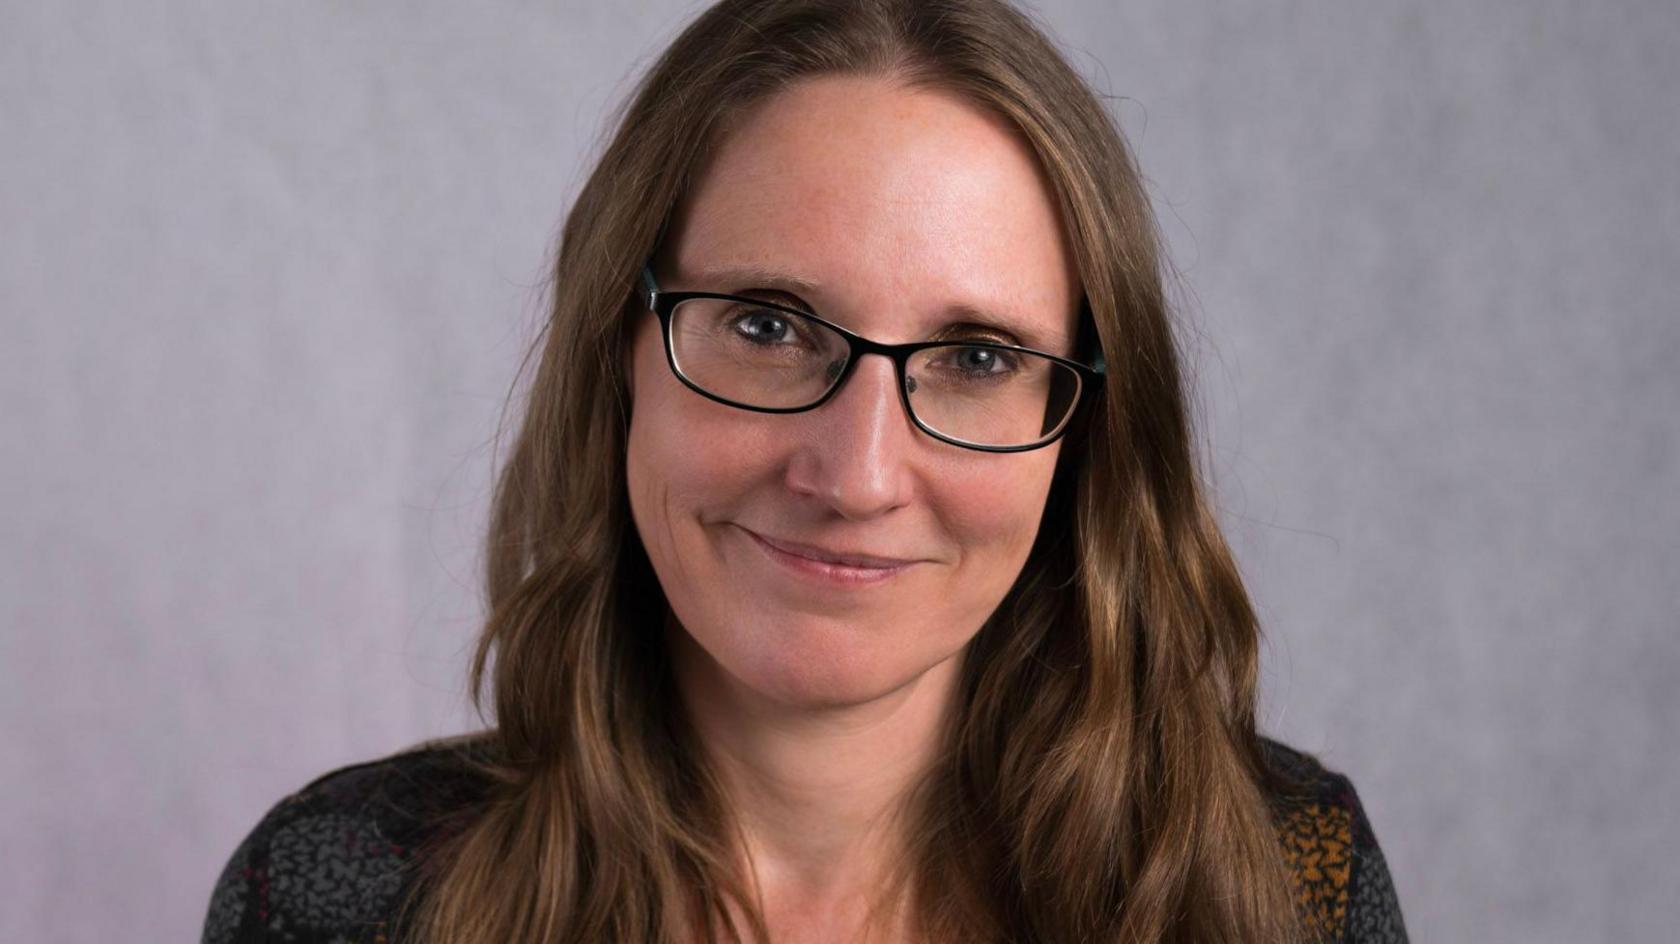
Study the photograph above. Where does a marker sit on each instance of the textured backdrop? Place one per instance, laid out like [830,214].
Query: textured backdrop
[268,269]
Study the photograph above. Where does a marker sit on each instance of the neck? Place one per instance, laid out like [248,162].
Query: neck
[817,792]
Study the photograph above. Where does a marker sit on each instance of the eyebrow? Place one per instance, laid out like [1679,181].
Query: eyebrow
[744,278]
[739,278]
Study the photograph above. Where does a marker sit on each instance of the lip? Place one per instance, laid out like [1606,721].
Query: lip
[833,566]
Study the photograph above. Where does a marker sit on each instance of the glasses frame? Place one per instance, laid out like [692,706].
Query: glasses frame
[662,303]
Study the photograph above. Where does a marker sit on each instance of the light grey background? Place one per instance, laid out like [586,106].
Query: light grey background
[268,269]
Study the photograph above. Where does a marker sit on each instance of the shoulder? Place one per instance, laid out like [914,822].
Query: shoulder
[330,861]
[1337,871]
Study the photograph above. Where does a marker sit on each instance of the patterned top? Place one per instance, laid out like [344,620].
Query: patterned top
[329,863]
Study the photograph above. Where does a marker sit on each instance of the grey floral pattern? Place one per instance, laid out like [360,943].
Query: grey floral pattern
[332,870]
[1374,914]
[227,902]
[333,862]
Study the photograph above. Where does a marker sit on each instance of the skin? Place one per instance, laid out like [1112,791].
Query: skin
[818,701]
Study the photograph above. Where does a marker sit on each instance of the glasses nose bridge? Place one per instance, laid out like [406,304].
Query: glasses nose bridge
[896,355]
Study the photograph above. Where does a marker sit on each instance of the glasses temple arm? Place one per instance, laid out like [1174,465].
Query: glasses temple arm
[650,288]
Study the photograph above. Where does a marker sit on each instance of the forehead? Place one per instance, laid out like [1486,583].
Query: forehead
[893,205]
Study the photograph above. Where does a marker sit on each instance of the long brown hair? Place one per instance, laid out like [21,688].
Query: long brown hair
[1102,779]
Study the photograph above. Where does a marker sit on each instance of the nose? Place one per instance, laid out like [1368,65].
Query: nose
[853,453]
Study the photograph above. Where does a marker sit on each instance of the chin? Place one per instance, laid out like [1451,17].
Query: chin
[819,664]
[799,688]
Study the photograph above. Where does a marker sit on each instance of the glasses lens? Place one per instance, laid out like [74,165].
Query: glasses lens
[991,395]
[754,355]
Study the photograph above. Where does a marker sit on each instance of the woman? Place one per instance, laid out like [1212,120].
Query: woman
[795,642]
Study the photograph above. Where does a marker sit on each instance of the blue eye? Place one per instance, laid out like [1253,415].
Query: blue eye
[982,361]
[977,359]
[763,327]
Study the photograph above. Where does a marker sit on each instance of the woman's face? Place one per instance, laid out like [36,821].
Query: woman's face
[903,214]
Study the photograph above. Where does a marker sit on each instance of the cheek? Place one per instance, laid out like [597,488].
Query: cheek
[680,442]
[688,455]
[684,472]
[665,459]
[993,513]
[653,455]
[689,463]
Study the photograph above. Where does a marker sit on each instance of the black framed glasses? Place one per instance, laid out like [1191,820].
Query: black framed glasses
[772,358]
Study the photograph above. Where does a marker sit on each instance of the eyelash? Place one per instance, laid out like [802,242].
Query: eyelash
[970,332]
